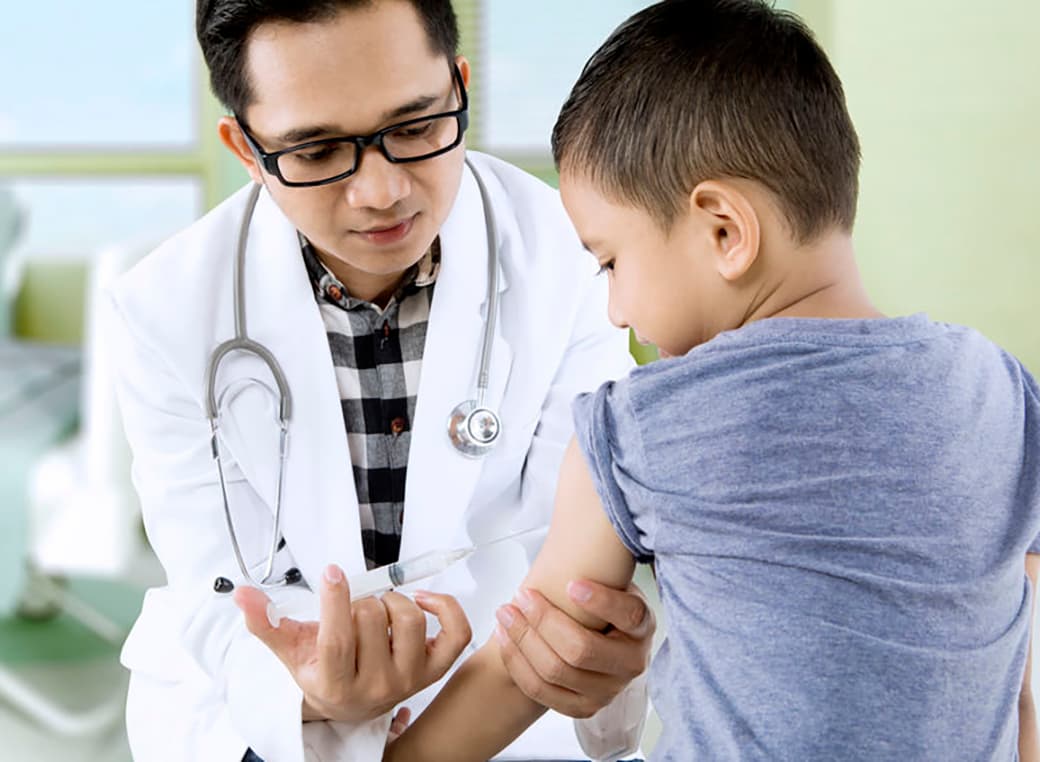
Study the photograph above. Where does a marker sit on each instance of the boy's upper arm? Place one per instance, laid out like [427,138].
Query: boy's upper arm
[1032,571]
[581,544]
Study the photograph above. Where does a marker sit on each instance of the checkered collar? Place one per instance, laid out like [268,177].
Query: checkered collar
[327,286]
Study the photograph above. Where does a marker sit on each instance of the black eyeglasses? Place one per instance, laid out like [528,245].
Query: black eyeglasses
[321,162]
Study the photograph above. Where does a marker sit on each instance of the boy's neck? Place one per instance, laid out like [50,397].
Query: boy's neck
[819,280]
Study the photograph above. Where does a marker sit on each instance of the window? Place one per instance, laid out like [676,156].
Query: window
[116,74]
[70,218]
[534,52]
[106,127]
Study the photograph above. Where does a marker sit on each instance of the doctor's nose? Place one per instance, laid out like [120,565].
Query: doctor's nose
[377,183]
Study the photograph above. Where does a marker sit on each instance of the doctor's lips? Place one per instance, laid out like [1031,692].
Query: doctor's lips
[382,235]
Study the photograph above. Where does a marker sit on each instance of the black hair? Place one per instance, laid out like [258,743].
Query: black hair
[691,90]
[223,28]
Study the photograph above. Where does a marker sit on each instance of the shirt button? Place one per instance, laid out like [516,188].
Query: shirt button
[398,425]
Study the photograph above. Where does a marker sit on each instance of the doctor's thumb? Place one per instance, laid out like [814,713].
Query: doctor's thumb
[260,613]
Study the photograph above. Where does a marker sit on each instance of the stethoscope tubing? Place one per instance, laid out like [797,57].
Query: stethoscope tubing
[491,227]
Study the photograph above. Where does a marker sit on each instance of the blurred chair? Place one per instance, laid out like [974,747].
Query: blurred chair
[70,493]
[85,518]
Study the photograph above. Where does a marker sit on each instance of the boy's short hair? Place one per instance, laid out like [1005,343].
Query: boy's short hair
[223,28]
[692,90]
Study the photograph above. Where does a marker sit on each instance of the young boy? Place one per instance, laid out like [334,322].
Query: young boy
[838,505]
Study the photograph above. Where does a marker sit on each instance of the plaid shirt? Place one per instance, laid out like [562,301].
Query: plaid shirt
[377,354]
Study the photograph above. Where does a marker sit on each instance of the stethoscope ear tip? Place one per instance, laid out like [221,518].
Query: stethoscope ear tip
[292,576]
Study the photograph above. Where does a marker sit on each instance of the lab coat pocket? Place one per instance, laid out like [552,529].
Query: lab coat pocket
[157,631]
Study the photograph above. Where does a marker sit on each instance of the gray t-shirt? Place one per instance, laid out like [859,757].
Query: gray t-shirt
[838,512]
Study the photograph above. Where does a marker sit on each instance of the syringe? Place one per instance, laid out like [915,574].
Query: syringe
[385,578]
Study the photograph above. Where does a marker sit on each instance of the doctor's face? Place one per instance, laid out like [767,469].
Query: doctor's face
[363,70]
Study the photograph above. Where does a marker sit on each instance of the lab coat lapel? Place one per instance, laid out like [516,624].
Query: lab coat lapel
[320,519]
[441,481]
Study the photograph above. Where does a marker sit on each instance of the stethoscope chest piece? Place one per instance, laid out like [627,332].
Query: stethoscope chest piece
[473,429]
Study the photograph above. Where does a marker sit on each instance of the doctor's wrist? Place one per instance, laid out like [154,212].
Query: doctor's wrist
[311,713]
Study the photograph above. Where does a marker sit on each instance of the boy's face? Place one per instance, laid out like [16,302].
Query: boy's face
[662,285]
[365,69]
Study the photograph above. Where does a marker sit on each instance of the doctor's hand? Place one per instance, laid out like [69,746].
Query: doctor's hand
[562,664]
[362,658]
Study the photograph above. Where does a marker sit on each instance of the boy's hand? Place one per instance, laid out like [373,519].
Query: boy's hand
[361,659]
[565,666]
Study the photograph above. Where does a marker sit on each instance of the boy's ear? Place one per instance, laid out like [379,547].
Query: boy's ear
[732,223]
[231,136]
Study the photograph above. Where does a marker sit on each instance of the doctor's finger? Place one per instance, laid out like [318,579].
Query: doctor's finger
[455,634]
[530,683]
[259,611]
[407,635]
[336,639]
[373,639]
[399,724]
[615,654]
[550,667]
[625,610]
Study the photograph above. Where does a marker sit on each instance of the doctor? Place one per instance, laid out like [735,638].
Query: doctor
[365,275]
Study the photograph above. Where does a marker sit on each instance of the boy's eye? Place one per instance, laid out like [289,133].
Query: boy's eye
[605,266]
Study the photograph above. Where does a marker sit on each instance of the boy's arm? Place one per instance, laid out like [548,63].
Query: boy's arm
[1028,735]
[480,711]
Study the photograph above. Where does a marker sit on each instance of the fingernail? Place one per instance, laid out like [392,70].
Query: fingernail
[333,574]
[273,616]
[500,635]
[579,592]
[523,600]
[505,616]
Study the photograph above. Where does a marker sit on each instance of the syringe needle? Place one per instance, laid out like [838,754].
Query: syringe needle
[383,578]
[512,536]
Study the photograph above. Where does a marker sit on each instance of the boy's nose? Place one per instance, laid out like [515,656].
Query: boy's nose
[614,314]
[378,183]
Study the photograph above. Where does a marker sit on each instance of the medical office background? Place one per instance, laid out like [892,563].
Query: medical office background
[107,146]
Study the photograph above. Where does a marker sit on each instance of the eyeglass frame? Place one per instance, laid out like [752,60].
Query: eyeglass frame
[269,160]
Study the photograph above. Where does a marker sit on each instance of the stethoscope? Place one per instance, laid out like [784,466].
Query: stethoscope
[473,427]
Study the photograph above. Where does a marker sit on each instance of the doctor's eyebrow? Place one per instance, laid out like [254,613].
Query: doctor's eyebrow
[317,132]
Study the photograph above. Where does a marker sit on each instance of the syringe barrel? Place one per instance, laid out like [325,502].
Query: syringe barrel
[372,582]
[383,578]
[426,565]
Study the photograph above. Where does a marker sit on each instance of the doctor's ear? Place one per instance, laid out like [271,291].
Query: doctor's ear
[730,220]
[462,63]
[231,136]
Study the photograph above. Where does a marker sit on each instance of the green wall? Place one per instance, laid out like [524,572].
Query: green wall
[946,101]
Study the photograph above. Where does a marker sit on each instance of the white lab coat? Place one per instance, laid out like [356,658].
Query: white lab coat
[202,687]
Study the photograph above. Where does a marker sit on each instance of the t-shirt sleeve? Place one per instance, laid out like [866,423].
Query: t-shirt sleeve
[611,443]
[1031,457]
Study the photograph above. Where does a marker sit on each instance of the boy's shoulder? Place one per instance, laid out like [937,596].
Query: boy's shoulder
[780,351]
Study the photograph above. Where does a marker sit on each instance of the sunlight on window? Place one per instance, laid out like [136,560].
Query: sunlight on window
[117,74]
[534,53]
[72,218]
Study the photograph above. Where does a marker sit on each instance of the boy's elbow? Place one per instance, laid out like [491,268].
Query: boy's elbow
[1025,700]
